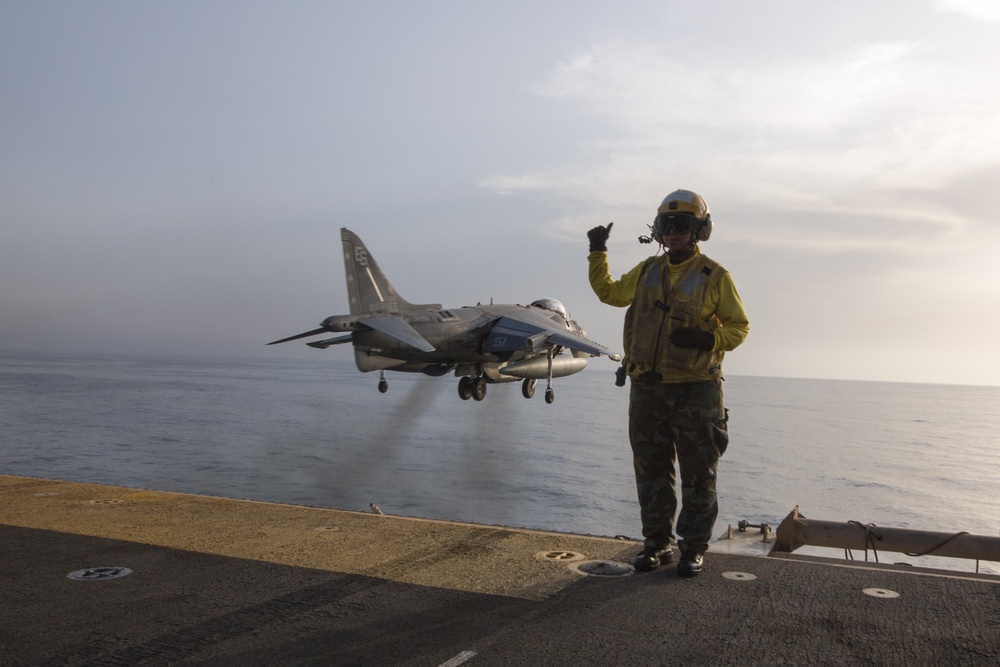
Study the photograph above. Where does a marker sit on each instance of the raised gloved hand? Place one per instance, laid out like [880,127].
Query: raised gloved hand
[599,237]
[693,337]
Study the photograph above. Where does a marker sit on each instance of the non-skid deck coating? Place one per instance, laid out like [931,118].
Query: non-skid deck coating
[229,582]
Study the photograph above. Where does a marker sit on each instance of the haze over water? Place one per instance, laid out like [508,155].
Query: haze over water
[319,433]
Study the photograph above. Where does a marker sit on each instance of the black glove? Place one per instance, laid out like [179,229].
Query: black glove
[599,237]
[693,337]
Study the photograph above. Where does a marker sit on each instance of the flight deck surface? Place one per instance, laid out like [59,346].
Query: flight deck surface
[168,579]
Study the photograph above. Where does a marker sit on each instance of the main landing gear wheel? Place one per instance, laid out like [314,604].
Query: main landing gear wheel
[479,388]
[550,395]
[465,388]
[528,388]
[472,387]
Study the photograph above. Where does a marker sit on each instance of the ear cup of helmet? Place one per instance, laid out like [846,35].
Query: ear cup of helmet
[705,229]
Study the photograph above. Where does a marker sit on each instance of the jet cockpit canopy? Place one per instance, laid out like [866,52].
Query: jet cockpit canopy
[553,305]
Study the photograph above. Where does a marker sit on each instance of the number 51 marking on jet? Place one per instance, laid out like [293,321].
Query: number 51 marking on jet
[482,344]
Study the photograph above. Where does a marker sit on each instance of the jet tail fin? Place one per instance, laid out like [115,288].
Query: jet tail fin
[368,290]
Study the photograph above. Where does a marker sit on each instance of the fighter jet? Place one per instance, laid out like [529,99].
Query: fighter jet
[483,344]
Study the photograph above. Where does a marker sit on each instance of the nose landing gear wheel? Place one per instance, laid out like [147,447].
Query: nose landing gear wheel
[528,388]
[550,395]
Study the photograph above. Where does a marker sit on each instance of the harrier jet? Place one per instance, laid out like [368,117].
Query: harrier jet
[482,344]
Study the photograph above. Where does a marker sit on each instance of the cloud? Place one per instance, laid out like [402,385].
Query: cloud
[848,136]
[987,10]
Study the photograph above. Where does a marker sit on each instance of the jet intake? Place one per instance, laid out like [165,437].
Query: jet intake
[537,368]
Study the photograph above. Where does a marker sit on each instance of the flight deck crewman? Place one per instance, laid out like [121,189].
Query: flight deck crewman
[684,314]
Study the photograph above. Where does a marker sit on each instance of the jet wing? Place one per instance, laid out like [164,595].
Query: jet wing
[336,340]
[398,328]
[314,332]
[512,335]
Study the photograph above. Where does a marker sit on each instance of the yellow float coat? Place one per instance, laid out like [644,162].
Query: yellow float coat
[663,297]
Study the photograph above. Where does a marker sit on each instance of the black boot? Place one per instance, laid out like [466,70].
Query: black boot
[651,558]
[691,564]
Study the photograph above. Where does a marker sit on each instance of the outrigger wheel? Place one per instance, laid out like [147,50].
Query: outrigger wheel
[383,385]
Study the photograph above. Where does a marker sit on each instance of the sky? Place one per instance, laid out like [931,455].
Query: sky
[173,175]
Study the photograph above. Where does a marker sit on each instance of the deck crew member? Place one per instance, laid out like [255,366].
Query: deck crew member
[684,314]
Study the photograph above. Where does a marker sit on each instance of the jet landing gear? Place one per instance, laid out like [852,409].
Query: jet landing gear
[383,384]
[475,387]
[528,386]
[528,390]
[550,395]
[472,387]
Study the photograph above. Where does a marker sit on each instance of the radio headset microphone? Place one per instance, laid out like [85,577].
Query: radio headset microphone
[647,239]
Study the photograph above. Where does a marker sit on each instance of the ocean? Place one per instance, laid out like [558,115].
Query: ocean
[318,432]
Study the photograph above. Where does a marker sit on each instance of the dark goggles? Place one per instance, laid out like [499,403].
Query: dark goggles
[682,223]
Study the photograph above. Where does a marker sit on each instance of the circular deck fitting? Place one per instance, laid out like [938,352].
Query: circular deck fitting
[603,568]
[881,593]
[560,556]
[739,576]
[99,574]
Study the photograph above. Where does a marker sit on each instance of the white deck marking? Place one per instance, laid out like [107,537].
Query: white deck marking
[458,659]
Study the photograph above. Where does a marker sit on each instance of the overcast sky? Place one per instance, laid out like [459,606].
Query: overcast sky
[173,175]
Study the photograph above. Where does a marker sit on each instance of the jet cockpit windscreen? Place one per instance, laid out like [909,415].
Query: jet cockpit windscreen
[553,305]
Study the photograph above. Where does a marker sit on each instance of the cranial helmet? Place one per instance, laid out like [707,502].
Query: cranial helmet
[683,209]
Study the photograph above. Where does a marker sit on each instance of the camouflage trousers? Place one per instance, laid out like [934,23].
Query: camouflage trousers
[682,425]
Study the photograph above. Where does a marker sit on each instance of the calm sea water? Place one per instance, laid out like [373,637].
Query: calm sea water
[319,433]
